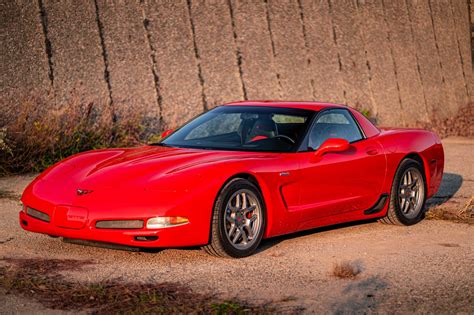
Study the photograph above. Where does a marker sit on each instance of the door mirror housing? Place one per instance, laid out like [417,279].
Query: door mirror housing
[166,133]
[332,145]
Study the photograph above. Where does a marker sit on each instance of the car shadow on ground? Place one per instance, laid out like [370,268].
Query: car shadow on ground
[271,242]
[450,184]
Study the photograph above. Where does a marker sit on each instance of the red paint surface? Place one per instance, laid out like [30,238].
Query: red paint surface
[150,181]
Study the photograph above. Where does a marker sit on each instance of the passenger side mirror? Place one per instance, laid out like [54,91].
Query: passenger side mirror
[332,145]
[166,133]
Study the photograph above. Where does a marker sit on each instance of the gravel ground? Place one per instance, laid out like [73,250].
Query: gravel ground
[426,268]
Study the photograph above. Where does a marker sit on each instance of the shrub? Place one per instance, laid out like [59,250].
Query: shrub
[33,139]
[346,270]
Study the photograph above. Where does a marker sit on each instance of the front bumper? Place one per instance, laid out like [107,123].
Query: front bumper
[75,216]
[177,236]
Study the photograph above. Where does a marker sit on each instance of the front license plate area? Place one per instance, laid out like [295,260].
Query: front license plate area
[70,217]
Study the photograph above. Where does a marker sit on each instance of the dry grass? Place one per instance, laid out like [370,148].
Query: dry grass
[463,214]
[346,270]
[32,138]
[458,125]
[39,279]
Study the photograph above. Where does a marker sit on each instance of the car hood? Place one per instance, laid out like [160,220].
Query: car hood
[111,168]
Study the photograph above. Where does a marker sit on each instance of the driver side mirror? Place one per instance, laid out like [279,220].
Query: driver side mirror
[166,133]
[332,145]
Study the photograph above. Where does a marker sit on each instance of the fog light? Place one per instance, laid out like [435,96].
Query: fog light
[37,214]
[119,224]
[164,222]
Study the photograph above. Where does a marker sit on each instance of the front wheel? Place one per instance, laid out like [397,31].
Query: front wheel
[408,195]
[238,221]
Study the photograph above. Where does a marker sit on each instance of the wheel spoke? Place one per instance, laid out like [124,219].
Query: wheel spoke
[232,209]
[232,230]
[237,236]
[237,202]
[249,232]
[244,201]
[244,236]
[250,209]
[403,205]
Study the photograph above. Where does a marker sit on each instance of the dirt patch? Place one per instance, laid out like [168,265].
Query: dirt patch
[41,279]
[8,194]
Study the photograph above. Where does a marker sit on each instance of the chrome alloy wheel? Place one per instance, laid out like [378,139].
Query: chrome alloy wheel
[411,193]
[243,219]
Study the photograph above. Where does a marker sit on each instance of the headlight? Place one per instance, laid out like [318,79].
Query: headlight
[164,222]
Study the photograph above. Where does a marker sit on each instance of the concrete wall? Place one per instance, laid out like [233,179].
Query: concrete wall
[166,61]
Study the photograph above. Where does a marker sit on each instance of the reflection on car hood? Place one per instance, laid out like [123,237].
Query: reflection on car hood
[114,167]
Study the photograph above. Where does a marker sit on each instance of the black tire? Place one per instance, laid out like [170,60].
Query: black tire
[219,244]
[395,215]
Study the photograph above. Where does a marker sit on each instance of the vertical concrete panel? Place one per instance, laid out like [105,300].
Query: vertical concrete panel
[323,52]
[290,50]
[133,91]
[24,64]
[217,50]
[449,53]
[172,41]
[77,55]
[462,24]
[352,51]
[404,54]
[254,41]
[379,56]
[428,57]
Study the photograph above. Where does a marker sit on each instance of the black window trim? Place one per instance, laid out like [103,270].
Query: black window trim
[305,141]
[311,112]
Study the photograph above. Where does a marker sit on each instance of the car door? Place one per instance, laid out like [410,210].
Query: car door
[339,182]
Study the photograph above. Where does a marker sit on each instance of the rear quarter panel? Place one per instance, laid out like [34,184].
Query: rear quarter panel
[402,143]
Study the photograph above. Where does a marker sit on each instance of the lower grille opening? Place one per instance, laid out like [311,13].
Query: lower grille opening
[146,238]
[119,224]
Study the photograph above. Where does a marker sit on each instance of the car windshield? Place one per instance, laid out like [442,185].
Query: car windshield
[244,128]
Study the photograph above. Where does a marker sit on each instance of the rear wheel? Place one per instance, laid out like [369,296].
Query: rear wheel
[408,195]
[238,221]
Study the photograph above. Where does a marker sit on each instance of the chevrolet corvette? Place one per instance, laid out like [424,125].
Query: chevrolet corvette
[236,174]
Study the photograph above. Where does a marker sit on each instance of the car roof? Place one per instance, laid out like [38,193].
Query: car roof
[315,106]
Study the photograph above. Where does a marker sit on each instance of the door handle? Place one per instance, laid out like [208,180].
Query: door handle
[372,151]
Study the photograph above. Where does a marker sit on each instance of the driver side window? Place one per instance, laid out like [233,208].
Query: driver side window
[334,123]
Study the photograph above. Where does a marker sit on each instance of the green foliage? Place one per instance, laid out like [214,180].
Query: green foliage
[366,113]
[228,308]
[34,140]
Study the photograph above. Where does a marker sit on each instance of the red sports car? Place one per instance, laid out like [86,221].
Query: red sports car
[236,174]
